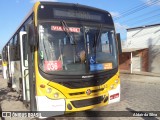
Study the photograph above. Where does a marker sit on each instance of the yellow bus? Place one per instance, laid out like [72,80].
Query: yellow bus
[64,57]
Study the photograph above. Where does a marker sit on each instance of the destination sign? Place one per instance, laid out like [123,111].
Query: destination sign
[77,14]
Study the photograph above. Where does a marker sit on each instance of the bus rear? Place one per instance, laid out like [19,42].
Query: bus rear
[76,58]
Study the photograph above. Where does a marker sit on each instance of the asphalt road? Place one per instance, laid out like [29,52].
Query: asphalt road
[138,93]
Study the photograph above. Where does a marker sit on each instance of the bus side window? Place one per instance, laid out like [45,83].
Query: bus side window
[6,53]
[16,48]
[11,49]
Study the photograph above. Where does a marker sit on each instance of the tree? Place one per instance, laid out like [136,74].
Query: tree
[0,56]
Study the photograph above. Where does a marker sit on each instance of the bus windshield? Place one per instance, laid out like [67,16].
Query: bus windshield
[72,49]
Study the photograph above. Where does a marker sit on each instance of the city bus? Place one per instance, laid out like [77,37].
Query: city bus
[64,57]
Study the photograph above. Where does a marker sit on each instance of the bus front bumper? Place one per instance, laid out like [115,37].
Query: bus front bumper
[48,107]
[51,107]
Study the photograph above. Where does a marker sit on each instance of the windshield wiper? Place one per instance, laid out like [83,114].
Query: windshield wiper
[67,31]
[96,39]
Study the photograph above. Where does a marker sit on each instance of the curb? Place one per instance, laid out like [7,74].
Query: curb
[142,74]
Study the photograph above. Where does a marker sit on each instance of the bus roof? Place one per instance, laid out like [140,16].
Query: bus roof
[36,5]
[72,5]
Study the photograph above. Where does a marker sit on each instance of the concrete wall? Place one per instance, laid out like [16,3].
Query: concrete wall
[154,59]
[143,37]
[146,37]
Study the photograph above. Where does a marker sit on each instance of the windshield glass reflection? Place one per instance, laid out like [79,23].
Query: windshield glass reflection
[68,51]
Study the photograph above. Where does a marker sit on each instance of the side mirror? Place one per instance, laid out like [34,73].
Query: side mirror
[31,35]
[119,43]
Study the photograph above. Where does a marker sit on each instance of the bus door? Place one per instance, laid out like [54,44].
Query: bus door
[24,66]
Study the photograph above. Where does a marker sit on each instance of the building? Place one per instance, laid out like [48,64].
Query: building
[0,59]
[141,51]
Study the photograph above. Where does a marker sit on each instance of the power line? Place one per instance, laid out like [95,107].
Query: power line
[125,11]
[147,18]
[140,16]
[144,21]
[155,21]
[135,9]
[147,23]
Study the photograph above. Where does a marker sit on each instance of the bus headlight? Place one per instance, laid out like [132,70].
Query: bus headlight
[56,95]
[116,81]
[49,90]
[112,86]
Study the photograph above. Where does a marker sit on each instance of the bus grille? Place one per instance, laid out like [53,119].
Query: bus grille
[87,102]
[80,93]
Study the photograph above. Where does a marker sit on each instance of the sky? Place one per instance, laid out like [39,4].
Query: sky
[125,13]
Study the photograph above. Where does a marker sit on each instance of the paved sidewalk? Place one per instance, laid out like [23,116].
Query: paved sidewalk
[140,73]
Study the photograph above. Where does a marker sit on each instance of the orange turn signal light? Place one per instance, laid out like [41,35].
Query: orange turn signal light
[42,86]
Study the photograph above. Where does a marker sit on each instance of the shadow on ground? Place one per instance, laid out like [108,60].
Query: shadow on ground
[3,93]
